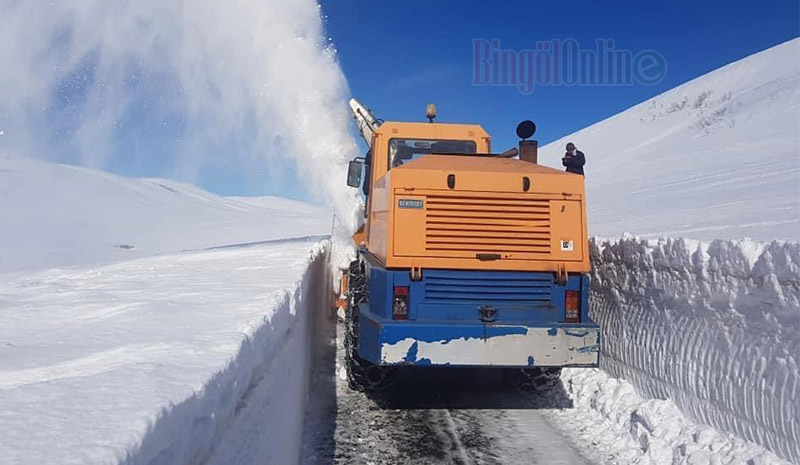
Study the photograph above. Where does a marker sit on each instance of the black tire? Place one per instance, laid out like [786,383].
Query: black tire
[362,375]
[539,379]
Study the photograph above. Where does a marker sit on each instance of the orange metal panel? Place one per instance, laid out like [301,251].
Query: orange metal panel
[409,227]
[487,212]
[475,264]
[566,231]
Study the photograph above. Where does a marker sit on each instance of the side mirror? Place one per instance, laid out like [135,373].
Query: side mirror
[354,173]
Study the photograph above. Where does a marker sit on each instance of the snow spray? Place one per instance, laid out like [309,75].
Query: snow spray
[241,86]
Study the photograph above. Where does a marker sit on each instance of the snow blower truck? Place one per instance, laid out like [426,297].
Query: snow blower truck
[467,258]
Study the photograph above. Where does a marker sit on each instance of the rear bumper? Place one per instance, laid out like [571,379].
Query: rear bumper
[412,343]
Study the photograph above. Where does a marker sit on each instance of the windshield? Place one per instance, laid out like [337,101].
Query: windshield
[404,150]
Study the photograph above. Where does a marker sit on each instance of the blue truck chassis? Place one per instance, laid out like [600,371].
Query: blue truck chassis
[472,318]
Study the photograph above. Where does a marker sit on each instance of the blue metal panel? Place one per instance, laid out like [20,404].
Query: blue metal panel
[457,295]
[445,305]
[369,333]
[375,336]
[484,288]
[517,296]
[585,281]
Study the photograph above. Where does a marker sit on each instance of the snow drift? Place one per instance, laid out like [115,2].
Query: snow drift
[174,359]
[609,417]
[714,327]
[715,158]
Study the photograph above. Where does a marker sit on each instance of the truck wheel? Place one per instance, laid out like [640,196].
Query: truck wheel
[353,363]
[361,375]
[540,379]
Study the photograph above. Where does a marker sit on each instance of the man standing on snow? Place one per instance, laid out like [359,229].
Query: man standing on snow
[574,160]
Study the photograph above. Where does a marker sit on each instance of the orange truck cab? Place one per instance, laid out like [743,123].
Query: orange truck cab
[466,258]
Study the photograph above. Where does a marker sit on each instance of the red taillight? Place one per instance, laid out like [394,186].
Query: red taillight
[400,303]
[572,301]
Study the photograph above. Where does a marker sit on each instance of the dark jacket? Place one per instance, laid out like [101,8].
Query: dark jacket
[574,163]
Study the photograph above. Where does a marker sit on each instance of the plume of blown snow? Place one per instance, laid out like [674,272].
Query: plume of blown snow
[245,84]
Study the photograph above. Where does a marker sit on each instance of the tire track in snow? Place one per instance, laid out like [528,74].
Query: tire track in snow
[451,428]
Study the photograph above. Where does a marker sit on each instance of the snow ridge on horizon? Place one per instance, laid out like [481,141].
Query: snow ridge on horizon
[715,158]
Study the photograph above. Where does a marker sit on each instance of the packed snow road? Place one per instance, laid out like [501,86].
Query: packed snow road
[430,417]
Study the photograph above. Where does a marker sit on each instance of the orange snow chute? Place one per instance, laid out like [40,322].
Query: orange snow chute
[340,300]
[359,236]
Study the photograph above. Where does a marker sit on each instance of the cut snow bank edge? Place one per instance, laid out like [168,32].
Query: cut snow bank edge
[707,327]
[264,387]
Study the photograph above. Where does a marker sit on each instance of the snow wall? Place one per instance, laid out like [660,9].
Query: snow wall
[253,410]
[712,326]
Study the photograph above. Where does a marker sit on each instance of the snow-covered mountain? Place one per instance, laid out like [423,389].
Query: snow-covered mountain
[715,158]
[60,215]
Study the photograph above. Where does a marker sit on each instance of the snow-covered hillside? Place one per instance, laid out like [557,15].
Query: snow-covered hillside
[715,158]
[60,215]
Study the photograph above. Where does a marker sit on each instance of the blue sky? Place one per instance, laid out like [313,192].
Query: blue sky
[400,55]
[397,56]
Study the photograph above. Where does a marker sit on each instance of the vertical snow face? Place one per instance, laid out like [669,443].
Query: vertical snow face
[245,90]
[715,158]
[713,327]
[199,357]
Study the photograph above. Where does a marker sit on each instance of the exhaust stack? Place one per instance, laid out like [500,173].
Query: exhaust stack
[529,151]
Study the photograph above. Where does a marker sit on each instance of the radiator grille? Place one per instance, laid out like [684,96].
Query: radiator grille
[517,288]
[464,226]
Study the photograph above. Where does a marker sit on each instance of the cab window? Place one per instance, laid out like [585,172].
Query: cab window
[404,150]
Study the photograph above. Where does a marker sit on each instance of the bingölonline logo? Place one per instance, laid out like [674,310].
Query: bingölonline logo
[559,62]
